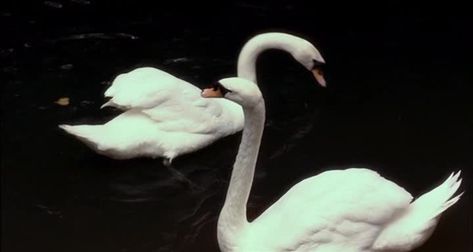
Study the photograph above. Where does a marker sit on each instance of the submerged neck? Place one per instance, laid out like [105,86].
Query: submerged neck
[255,46]
[233,214]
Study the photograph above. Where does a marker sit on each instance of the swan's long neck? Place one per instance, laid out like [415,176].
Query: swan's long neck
[255,46]
[233,214]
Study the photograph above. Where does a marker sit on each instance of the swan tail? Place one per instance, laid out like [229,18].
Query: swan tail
[107,104]
[435,202]
[112,103]
[88,134]
[414,226]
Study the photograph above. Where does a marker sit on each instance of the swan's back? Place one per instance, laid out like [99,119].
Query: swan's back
[145,87]
[329,212]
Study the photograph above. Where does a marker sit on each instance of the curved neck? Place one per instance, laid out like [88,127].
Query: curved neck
[255,46]
[233,214]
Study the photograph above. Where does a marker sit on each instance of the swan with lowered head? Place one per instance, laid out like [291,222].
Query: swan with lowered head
[352,210]
[166,116]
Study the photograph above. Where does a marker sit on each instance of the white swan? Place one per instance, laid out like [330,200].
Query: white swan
[166,116]
[353,210]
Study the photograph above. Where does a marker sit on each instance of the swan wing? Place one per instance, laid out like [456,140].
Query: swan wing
[175,105]
[145,87]
[134,134]
[414,226]
[189,112]
[339,210]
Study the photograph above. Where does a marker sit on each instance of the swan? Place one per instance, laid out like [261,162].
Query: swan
[352,210]
[166,116]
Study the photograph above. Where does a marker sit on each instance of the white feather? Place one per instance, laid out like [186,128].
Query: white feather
[166,116]
[354,210]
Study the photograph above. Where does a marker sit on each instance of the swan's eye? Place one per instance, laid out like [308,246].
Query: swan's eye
[318,64]
[223,90]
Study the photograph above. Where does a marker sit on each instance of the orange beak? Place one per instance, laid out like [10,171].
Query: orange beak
[211,93]
[319,76]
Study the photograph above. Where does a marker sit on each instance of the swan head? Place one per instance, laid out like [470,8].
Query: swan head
[239,90]
[306,54]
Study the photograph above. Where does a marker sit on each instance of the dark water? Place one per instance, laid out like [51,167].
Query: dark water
[399,101]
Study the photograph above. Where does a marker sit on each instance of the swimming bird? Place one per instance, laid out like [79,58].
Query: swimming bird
[166,117]
[351,210]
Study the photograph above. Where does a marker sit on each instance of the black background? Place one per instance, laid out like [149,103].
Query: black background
[398,101]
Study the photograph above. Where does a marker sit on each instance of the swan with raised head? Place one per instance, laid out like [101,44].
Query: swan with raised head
[352,210]
[166,116]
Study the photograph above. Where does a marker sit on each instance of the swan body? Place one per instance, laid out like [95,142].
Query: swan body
[164,120]
[354,210]
[166,117]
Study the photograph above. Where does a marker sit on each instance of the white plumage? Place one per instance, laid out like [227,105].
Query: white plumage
[166,117]
[352,210]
